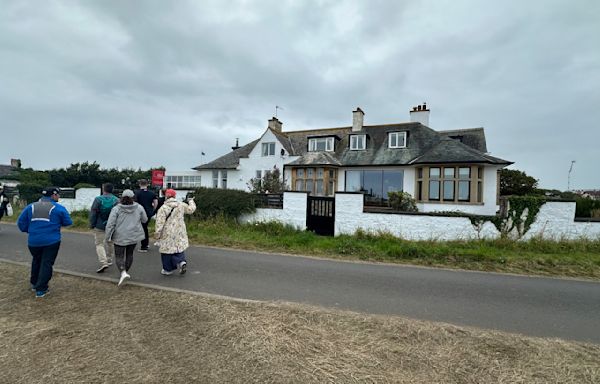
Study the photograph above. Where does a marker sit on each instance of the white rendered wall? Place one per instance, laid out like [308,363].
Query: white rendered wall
[555,221]
[84,197]
[349,217]
[293,212]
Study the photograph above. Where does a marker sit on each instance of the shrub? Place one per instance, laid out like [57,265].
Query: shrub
[402,201]
[214,202]
[84,185]
[585,207]
[30,192]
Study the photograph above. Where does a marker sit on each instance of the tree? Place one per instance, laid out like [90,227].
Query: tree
[271,182]
[514,182]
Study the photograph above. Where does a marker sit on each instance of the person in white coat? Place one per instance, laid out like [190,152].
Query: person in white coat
[124,229]
[171,232]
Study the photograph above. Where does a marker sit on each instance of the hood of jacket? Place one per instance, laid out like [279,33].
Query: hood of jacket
[172,202]
[129,209]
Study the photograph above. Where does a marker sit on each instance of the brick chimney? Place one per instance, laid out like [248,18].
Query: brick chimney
[275,124]
[357,120]
[420,114]
[15,163]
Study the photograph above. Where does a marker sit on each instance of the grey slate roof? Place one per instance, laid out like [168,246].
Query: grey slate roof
[230,160]
[7,171]
[425,146]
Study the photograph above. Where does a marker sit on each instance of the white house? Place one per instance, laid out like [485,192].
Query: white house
[442,170]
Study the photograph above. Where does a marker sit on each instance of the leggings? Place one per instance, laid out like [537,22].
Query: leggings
[124,256]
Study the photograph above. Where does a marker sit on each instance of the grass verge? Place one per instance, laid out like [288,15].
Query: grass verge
[90,331]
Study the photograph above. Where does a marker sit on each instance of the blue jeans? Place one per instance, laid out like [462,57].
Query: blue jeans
[170,261]
[41,265]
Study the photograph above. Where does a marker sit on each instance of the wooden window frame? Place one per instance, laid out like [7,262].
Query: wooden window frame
[326,179]
[475,179]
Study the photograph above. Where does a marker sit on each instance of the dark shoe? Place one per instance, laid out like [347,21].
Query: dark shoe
[102,268]
[40,294]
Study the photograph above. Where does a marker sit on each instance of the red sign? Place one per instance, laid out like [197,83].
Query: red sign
[158,176]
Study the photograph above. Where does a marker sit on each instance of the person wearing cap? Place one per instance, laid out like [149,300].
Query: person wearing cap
[148,200]
[43,220]
[171,232]
[124,229]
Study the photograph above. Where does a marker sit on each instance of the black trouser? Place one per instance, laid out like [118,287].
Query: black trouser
[145,241]
[41,265]
[124,256]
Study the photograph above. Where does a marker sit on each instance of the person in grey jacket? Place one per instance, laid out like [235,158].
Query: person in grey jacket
[124,229]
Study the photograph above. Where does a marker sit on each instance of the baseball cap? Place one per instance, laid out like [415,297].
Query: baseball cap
[127,193]
[49,191]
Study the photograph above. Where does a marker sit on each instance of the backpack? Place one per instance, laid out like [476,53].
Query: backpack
[106,205]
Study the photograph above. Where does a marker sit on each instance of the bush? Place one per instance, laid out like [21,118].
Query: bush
[30,192]
[402,201]
[586,207]
[84,185]
[231,203]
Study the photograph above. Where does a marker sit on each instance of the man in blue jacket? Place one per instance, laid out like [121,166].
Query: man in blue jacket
[43,220]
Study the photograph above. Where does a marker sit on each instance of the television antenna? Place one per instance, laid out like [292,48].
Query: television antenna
[276,108]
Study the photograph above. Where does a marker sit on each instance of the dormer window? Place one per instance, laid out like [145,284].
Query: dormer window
[357,142]
[268,149]
[319,144]
[397,140]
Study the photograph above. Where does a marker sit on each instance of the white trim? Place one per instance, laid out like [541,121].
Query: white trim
[312,144]
[356,147]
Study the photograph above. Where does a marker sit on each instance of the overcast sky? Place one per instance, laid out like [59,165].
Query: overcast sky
[149,83]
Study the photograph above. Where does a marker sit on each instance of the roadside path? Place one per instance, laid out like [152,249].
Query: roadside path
[534,306]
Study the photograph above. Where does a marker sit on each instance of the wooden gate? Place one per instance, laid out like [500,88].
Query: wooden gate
[320,215]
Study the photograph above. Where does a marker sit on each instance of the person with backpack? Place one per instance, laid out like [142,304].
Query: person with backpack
[124,228]
[99,213]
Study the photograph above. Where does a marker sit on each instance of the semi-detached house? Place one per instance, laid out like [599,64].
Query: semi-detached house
[442,170]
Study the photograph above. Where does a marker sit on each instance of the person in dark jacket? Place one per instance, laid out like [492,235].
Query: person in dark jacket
[43,220]
[3,202]
[124,228]
[147,199]
[99,214]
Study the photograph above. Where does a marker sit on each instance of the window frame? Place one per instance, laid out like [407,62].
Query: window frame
[266,149]
[455,179]
[354,141]
[397,135]
[313,144]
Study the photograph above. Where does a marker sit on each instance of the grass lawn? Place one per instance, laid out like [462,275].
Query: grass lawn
[90,331]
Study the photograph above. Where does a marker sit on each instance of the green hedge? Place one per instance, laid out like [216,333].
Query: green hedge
[213,202]
[585,206]
[30,192]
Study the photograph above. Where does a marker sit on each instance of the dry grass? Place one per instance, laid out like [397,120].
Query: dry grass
[89,331]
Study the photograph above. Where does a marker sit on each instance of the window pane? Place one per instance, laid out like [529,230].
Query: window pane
[310,172]
[329,141]
[332,173]
[224,184]
[448,172]
[224,174]
[434,172]
[299,185]
[392,182]
[479,192]
[464,173]
[320,172]
[420,173]
[449,190]
[434,190]
[309,186]
[259,174]
[271,149]
[401,139]
[463,190]
[300,172]
[331,188]
[353,181]
[373,183]
[319,185]
[393,139]
[215,174]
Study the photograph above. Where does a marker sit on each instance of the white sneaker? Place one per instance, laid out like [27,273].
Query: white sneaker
[182,267]
[124,276]
[166,273]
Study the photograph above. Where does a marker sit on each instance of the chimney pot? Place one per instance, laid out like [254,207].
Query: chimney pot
[275,124]
[420,114]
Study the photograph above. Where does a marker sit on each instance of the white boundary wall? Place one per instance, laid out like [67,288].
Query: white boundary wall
[84,197]
[293,212]
[555,221]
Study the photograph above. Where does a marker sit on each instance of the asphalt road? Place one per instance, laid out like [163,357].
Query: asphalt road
[534,306]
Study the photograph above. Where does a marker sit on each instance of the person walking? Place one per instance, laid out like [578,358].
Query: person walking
[124,229]
[171,232]
[99,213]
[43,220]
[147,199]
[3,203]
